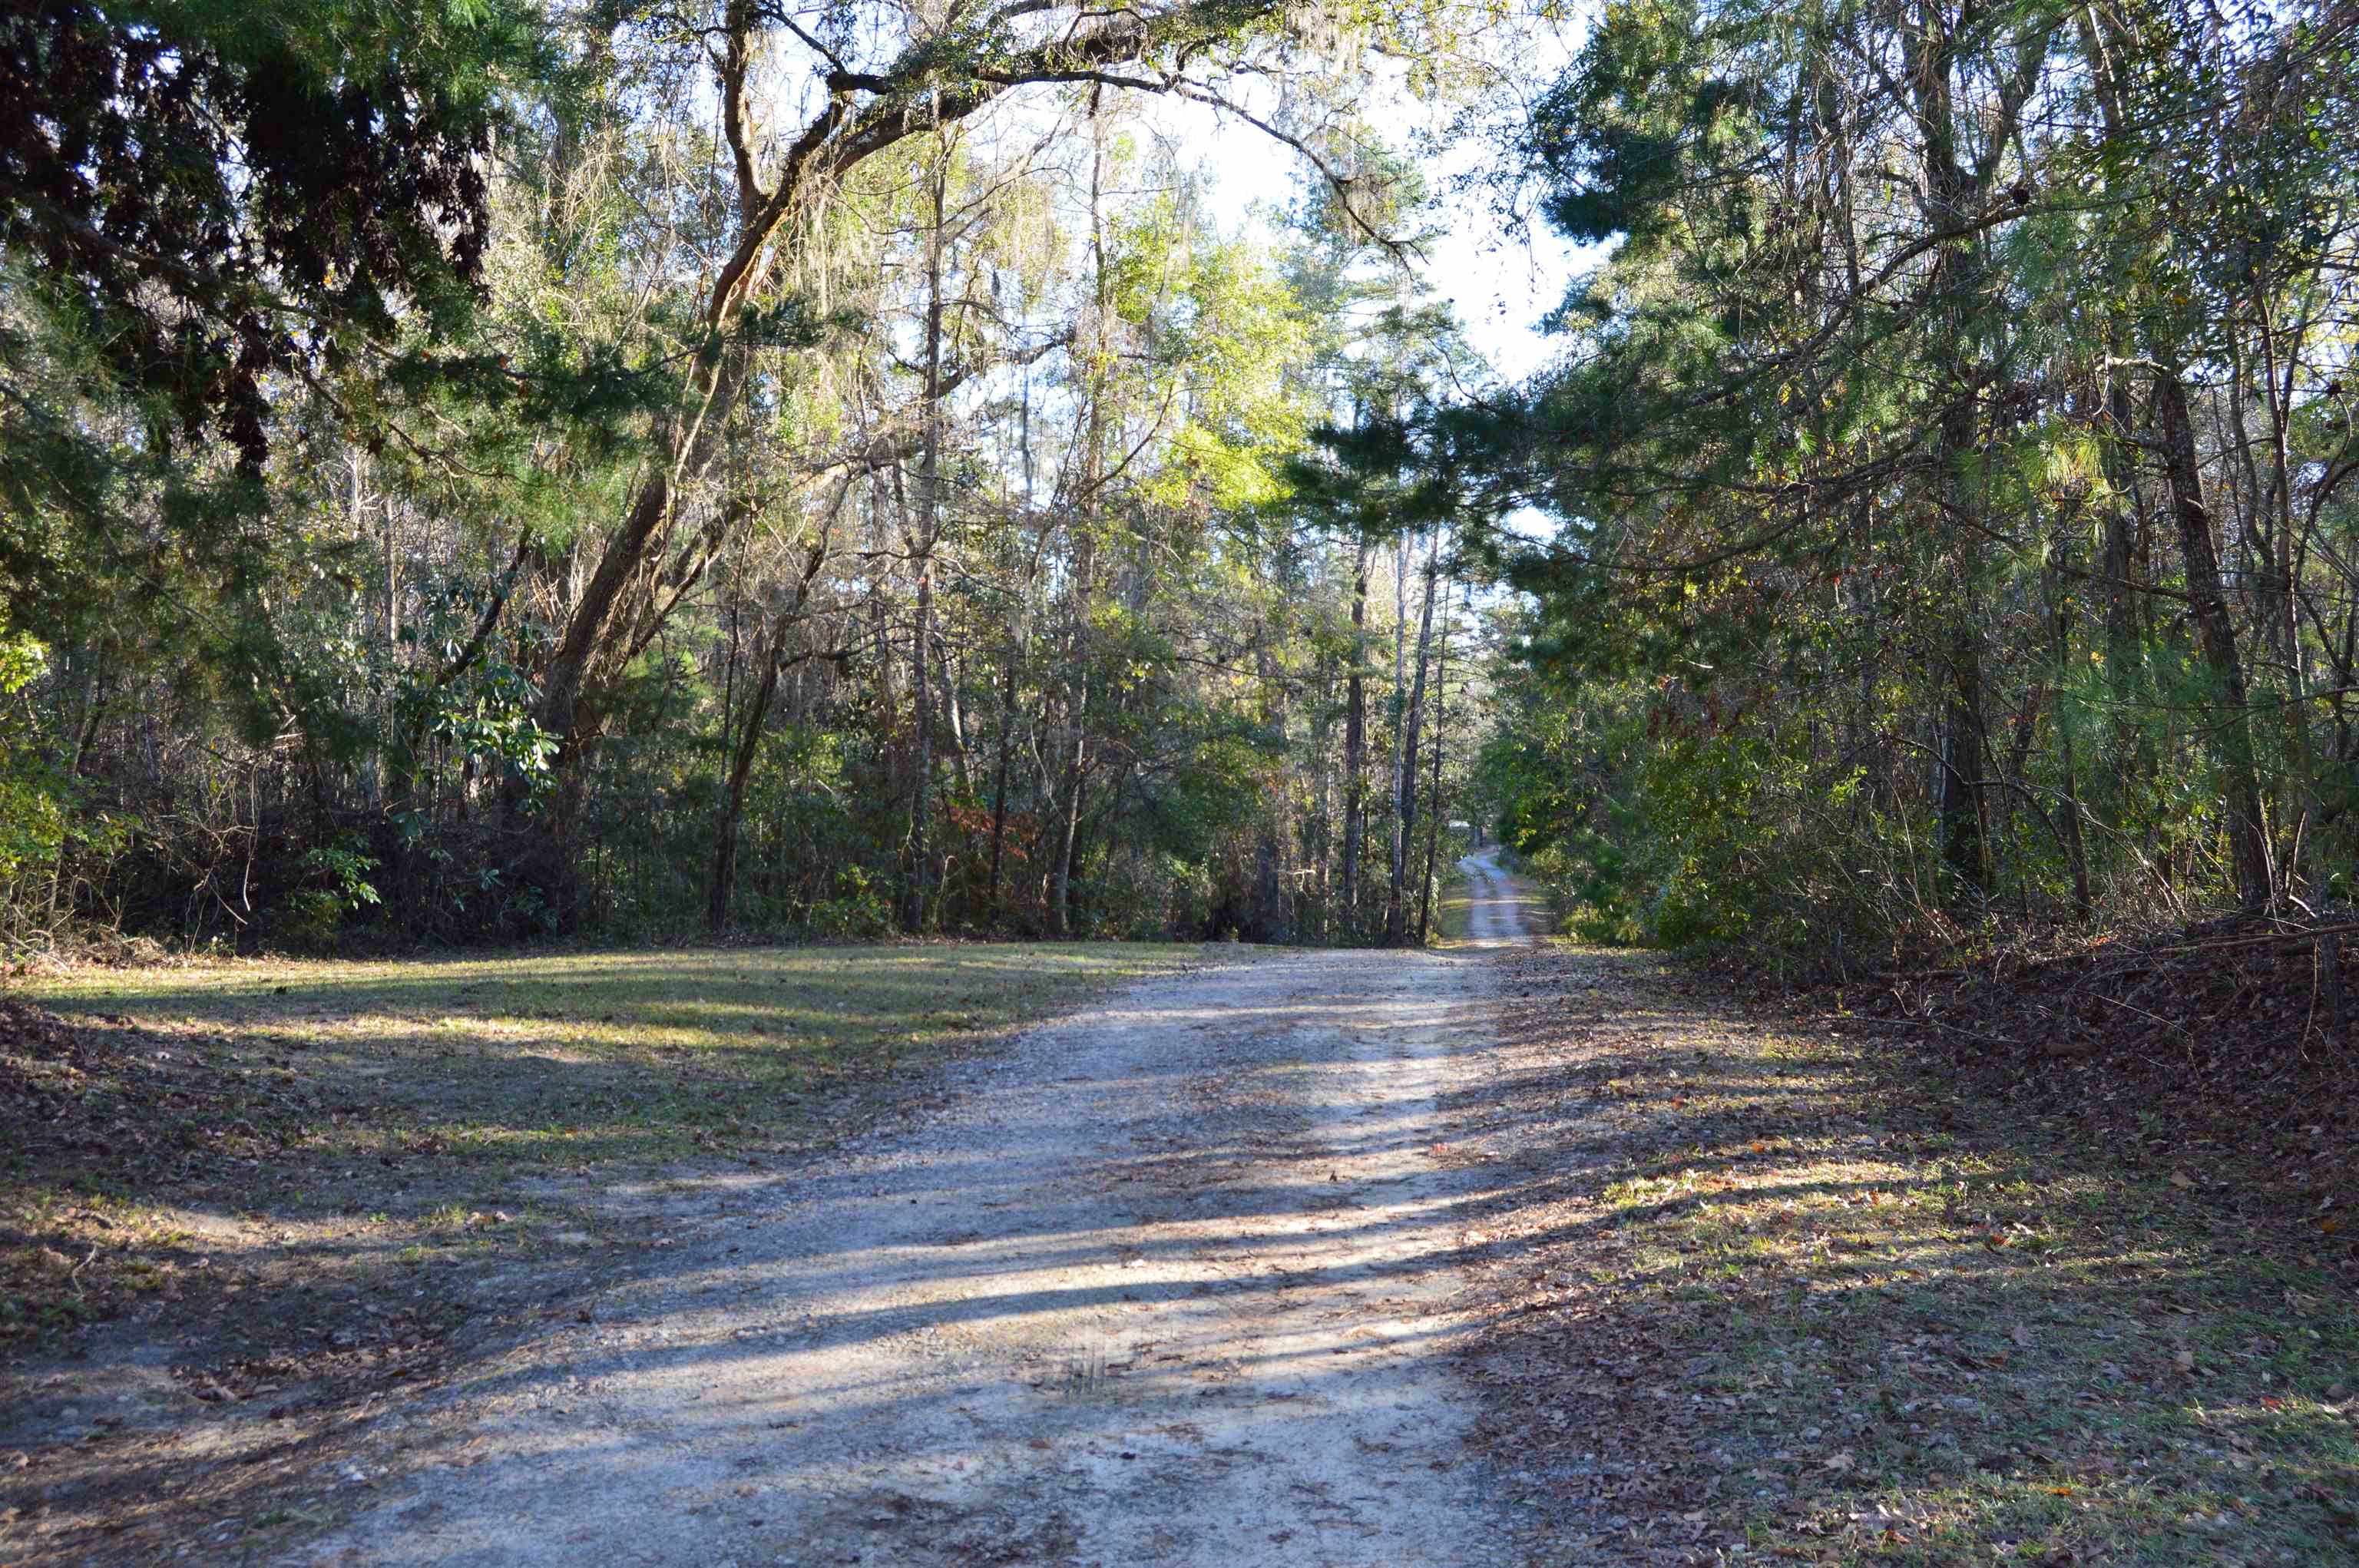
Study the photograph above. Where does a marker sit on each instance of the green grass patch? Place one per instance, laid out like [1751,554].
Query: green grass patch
[204,1126]
[592,1055]
[1453,913]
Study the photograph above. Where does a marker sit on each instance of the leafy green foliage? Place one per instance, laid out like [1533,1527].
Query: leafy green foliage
[1895,594]
[521,486]
[212,196]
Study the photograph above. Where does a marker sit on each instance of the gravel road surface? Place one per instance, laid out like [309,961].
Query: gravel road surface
[1168,1283]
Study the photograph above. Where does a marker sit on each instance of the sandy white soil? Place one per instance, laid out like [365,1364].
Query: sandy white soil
[1170,1282]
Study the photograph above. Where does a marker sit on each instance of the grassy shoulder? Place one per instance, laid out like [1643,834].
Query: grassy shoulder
[1817,1295]
[226,1128]
[245,1206]
[1454,912]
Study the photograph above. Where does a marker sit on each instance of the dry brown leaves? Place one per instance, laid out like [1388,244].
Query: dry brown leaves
[1754,1285]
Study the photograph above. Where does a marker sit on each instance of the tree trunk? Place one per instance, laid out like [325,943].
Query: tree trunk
[2217,634]
[1400,699]
[617,610]
[1952,195]
[1963,848]
[2076,847]
[2100,45]
[921,782]
[1356,745]
[953,671]
[1434,803]
[1404,813]
[921,550]
[1271,924]
[999,780]
[1068,829]
[721,887]
[2123,652]
[1083,568]
[569,707]
[1019,643]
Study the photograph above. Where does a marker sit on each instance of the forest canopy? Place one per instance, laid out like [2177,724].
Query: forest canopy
[1954,451]
[483,471]
[478,471]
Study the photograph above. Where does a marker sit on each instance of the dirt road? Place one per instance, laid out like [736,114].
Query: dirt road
[1167,1284]
[1500,909]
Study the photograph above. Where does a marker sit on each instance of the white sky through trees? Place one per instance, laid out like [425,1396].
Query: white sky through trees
[1502,285]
